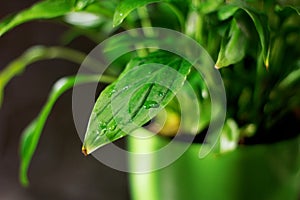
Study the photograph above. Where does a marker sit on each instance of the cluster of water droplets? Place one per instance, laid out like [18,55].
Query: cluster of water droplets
[106,128]
[150,104]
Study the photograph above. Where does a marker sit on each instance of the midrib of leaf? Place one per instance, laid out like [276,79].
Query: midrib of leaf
[136,111]
[130,65]
[148,93]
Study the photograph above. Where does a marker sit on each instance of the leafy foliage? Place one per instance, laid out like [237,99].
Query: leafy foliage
[256,40]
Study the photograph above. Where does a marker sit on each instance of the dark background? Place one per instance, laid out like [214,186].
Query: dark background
[58,169]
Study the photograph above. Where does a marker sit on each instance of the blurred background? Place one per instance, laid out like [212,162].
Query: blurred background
[58,170]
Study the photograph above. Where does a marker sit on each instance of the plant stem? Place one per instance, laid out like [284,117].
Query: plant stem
[179,16]
[195,22]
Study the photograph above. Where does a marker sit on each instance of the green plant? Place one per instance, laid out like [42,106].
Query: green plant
[254,44]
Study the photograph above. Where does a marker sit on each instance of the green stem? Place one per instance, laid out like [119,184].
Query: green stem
[259,93]
[195,26]
[145,22]
[179,16]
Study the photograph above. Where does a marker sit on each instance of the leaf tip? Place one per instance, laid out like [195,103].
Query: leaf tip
[23,178]
[217,67]
[84,151]
[118,18]
[267,63]
[267,66]
[116,23]
[25,183]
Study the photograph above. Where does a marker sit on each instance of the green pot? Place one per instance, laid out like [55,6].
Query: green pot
[258,172]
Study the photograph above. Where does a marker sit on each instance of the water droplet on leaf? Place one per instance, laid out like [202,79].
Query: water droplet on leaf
[161,94]
[112,92]
[102,127]
[112,126]
[151,104]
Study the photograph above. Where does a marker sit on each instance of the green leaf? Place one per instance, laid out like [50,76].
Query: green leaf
[209,6]
[41,10]
[82,4]
[126,6]
[286,9]
[227,11]
[141,91]
[260,21]
[233,47]
[31,134]
[34,54]
[261,25]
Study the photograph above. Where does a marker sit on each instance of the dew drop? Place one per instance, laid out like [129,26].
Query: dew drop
[102,127]
[161,94]
[99,133]
[125,88]
[150,104]
[112,92]
[112,126]
[204,94]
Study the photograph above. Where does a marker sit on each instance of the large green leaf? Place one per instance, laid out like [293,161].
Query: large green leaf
[141,91]
[31,134]
[43,10]
[233,47]
[34,54]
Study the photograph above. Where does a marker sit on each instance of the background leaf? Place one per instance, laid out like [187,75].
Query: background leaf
[141,91]
[260,21]
[34,54]
[41,10]
[233,48]
[126,6]
[261,24]
[31,134]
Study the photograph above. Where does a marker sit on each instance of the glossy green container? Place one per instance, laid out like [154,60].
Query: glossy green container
[259,172]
